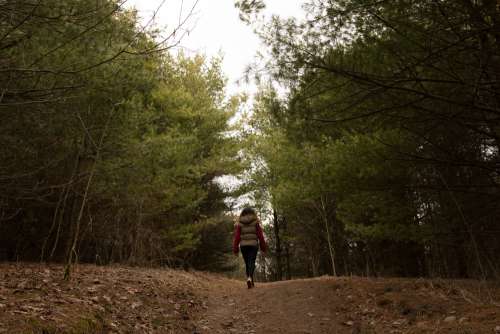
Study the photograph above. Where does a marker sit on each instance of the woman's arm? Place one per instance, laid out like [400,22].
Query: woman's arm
[262,241]
[236,238]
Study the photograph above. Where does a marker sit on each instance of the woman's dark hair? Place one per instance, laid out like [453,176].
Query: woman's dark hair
[247,211]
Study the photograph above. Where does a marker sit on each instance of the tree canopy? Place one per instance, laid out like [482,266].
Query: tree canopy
[383,150]
[372,147]
[110,143]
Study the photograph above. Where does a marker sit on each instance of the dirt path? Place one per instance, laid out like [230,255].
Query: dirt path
[343,305]
[282,307]
[35,299]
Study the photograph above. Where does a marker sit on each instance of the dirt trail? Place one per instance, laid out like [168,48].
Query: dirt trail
[35,299]
[344,305]
[281,307]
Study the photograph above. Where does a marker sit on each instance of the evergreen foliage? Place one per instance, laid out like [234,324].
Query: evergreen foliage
[110,144]
[385,149]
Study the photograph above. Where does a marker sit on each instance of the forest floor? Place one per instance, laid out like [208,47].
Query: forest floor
[35,299]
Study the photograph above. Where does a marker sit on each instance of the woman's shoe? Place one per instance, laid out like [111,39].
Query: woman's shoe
[249,283]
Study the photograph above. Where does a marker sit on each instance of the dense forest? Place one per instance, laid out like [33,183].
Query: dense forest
[110,143]
[372,147]
[382,156]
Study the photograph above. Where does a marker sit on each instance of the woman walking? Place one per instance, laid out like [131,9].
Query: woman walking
[248,236]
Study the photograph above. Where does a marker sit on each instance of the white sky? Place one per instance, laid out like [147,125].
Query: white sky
[215,28]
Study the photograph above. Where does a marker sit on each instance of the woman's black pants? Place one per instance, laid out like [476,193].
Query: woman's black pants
[249,255]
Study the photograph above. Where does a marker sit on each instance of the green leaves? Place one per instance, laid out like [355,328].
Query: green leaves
[248,8]
[77,71]
[180,149]
[382,133]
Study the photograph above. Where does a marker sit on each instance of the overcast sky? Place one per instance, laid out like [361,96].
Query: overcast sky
[216,29]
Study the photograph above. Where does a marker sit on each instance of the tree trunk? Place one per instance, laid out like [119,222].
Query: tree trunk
[314,262]
[279,272]
[328,236]
[287,252]
[72,256]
